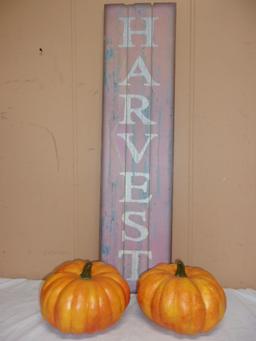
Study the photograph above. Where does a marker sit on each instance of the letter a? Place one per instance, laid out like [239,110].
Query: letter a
[142,72]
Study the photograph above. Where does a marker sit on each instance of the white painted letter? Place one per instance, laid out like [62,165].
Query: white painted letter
[128,109]
[135,254]
[140,228]
[136,156]
[142,72]
[147,32]
[129,187]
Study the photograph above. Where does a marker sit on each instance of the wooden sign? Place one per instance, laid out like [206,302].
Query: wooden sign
[137,149]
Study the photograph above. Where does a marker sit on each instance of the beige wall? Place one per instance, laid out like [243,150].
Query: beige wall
[50,135]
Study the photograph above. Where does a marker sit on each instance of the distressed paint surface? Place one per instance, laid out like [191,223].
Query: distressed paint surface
[137,137]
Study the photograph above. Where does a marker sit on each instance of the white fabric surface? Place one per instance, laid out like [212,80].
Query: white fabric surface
[20,319]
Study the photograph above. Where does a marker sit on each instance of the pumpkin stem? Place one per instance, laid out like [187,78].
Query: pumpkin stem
[180,272]
[87,271]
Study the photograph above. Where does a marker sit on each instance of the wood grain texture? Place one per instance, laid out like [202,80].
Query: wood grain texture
[137,137]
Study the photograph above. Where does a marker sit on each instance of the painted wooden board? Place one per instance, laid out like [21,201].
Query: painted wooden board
[137,142]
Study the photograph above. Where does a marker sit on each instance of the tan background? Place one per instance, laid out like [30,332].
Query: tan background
[50,135]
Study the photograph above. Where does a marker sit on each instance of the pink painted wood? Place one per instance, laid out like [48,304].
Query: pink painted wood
[137,142]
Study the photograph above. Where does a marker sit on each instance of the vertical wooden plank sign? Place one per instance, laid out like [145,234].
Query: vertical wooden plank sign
[137,148]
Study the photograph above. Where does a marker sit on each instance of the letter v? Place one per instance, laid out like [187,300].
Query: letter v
[136,155]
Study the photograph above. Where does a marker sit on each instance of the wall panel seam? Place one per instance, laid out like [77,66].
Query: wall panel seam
[75,180]
[191,118]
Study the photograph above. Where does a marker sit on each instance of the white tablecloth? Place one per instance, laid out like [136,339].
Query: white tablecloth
[20,319]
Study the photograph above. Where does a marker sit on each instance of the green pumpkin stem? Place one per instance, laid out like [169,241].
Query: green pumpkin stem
[180,272]
[87,271]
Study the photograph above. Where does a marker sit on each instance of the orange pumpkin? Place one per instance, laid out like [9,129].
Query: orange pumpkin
[84,297]
[187,300]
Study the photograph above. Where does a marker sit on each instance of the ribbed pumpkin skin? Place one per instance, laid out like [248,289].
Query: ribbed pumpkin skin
[187,305]
[76,305]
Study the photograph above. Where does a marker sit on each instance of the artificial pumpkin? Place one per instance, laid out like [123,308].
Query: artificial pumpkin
[84,297]
[187,300]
